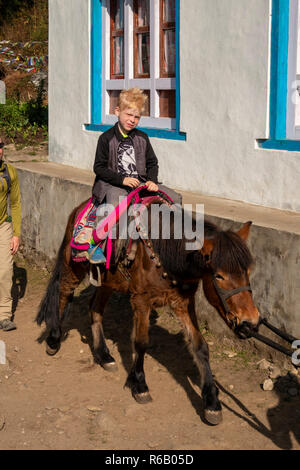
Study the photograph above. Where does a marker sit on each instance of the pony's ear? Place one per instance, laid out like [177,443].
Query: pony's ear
[206,250]
[244,231]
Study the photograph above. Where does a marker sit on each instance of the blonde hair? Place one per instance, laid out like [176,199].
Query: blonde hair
[133,98]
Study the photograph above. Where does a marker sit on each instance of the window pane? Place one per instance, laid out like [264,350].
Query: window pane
[143,13]
[113,100]
[147,105]
[119,14]
[118,65]
[143,58]
[167,103]
[168,11]
[169,52]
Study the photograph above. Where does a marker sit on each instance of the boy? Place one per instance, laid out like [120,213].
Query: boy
[124,159]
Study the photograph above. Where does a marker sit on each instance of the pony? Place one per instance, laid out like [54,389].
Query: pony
[162,272]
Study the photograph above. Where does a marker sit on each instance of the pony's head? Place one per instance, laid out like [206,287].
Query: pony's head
[226,281]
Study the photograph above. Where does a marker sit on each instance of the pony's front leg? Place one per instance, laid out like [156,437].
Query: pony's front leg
[199,348]
[100,350]
[136,379]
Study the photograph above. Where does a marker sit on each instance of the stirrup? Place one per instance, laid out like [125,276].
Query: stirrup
[95,282]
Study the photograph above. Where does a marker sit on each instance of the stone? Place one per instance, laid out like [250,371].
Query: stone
[94,408]
[2,422]
[274,372]
[268,385]
[264,364]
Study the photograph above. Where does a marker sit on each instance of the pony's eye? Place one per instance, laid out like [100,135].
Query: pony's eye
[218,276]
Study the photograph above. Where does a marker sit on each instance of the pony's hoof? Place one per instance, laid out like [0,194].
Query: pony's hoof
[110,366]
[213,417]
[51,351]
[142,398]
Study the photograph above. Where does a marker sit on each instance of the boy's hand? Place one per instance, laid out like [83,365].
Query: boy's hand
[131,182]
[151,186]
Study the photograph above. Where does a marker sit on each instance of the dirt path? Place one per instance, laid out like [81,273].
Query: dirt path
[67,402]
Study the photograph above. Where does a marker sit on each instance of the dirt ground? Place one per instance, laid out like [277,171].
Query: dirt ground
[68,402]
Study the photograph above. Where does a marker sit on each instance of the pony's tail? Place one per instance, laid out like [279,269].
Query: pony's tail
[49,307]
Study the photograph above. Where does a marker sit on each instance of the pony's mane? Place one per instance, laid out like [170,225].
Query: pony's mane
[230,253]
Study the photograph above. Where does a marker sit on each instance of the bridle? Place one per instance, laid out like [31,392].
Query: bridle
[224,294]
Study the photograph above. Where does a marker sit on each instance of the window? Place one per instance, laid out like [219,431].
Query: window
[135,43]
[142,54]
[285,77]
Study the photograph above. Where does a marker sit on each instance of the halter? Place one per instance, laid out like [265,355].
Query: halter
[224,294]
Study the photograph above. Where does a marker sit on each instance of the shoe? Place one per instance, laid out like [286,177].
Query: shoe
[96,255]
[7,325]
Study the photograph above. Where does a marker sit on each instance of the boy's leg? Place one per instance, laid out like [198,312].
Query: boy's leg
[6,273]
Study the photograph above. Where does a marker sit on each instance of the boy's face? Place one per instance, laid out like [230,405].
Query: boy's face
[128,118]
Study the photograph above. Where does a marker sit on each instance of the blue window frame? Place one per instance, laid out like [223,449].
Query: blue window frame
[97,123]
[282,36]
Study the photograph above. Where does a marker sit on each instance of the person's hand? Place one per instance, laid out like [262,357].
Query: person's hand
[14,245]
[131,182]
[151,186]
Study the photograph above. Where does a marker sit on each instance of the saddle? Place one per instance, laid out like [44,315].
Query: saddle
[119,248]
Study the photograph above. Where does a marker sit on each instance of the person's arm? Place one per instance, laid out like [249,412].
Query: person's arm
[15,206]
[101,164]
[151,163]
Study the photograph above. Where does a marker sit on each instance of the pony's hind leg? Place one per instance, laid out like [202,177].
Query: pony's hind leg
[101,352]
[199,348]
[70,278]
[136,379]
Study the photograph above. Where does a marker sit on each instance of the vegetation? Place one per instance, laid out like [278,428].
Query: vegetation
[24,117]
[24,20]
[25,122]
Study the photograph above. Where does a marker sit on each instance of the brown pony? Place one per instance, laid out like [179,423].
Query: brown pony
[162,272]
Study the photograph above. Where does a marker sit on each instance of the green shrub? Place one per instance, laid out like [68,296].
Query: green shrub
[25,122]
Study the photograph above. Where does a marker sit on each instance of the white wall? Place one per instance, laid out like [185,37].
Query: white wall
[224,62]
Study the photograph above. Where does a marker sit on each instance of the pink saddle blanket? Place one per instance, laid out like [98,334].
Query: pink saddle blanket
[103,232]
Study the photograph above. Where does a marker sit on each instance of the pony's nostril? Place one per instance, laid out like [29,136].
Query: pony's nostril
[245,329]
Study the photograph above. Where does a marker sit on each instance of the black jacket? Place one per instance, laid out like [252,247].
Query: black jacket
[105,166]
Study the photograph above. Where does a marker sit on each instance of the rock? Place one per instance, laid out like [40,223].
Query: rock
[2,422]
[152,445]
[274,372]
[232,354]
[268,385]
[231,387]
[64,409]
[293,392]
[94,408]
[264,364]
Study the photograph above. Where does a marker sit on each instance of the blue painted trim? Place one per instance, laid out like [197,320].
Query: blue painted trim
[96,61]
[177,49]
[291,145]
[150,131]
[279,71]
[279,68]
